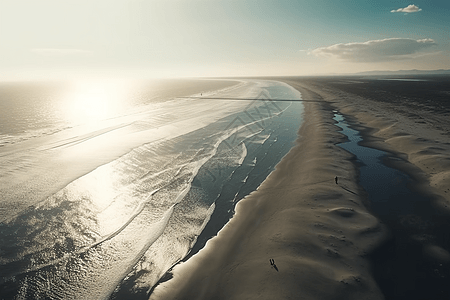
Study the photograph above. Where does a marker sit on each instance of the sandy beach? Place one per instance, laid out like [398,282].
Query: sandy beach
[319,234]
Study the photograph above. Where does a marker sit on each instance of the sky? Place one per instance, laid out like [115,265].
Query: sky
[185,38]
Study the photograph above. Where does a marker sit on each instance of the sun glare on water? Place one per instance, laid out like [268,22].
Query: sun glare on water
[92,102]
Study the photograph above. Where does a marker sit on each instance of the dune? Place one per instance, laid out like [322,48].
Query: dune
[317,233]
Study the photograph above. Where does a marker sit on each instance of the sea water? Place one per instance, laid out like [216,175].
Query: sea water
[105,187]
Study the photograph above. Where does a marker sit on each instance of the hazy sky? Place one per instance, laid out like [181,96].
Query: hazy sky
[153,38]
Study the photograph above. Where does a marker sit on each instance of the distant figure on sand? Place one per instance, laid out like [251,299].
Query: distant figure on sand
[272,262]
[335,179]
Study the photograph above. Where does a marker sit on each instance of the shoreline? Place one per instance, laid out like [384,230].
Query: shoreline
[322,239]
[326,248]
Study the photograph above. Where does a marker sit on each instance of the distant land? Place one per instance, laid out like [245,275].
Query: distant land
[406,72]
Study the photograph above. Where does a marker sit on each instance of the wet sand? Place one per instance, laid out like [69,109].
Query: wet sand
[320,234]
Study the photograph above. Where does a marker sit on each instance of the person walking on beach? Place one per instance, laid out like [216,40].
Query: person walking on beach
[336,179]
[272,263]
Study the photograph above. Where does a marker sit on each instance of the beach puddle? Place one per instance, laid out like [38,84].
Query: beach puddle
[414,262]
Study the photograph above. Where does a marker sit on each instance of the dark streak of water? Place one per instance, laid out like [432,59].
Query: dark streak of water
[403,267]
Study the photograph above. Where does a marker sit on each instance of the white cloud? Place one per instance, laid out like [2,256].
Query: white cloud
[409,9]
[377,50]
[59,51]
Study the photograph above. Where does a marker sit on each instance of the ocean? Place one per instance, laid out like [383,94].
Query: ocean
[105,185]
